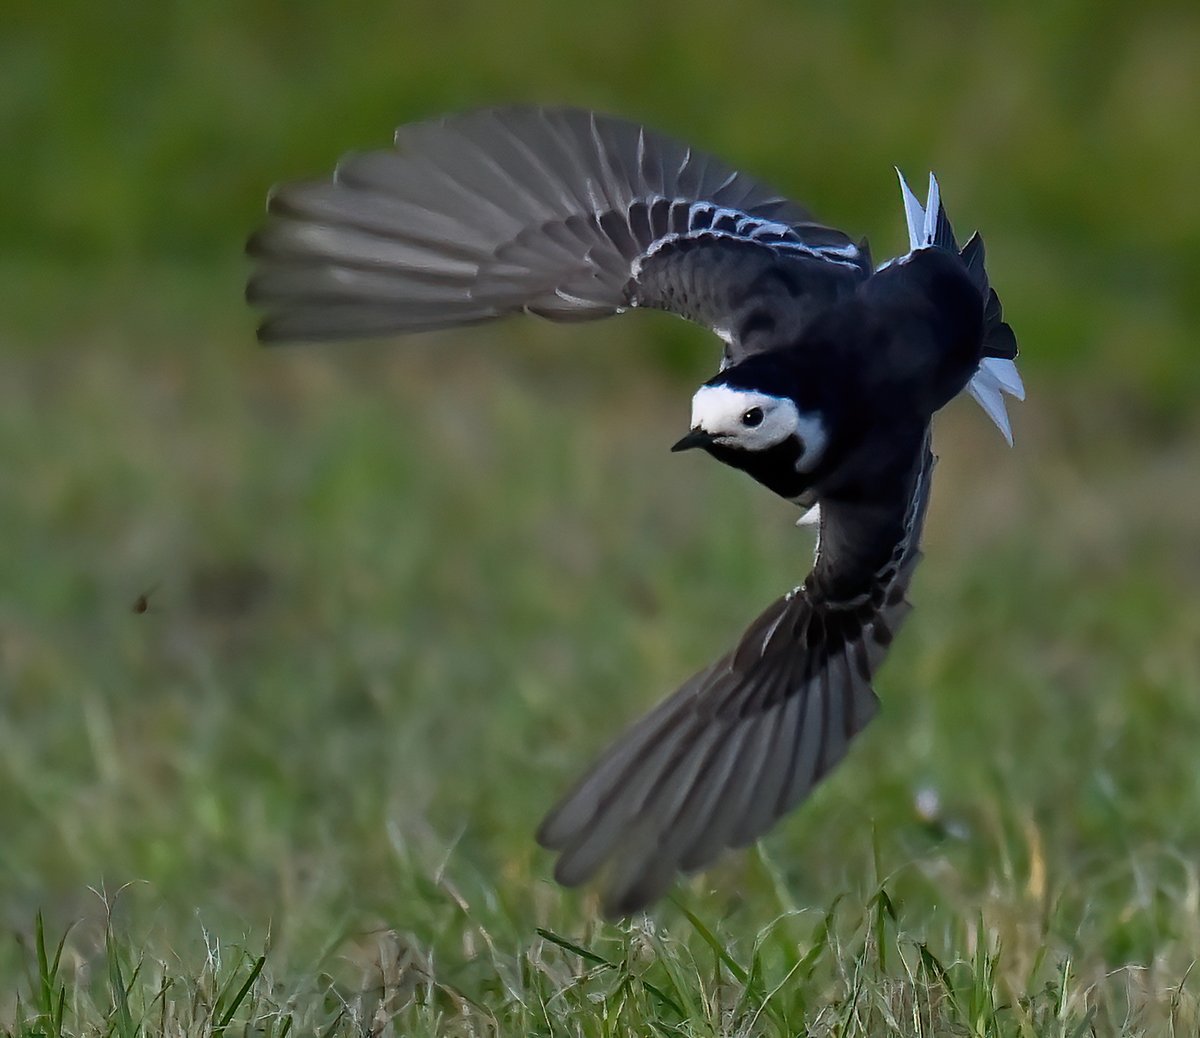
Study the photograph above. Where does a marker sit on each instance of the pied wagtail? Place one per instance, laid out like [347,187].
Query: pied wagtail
[831,372]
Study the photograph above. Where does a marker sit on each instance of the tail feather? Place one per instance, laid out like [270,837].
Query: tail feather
[929,227]
[986,390]
[974,258]
[1004,372]
[914,214]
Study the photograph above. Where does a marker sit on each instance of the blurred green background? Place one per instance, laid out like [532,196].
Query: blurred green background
[399,594]
[141,137]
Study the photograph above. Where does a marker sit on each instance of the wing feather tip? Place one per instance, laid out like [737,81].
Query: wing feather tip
[557,831]
[568,874]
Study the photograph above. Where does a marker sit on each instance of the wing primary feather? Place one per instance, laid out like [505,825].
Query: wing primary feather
[763,798]
[611,828]
[654,850]
[550,211]
[609,775]
[711,831]
[761,726]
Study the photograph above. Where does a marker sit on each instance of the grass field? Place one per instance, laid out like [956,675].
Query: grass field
[398,596]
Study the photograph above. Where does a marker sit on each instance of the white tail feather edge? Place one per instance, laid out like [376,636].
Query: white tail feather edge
[933,203]
[922,219]
[1005,372]
[995,377]
[914,214]
[986,392]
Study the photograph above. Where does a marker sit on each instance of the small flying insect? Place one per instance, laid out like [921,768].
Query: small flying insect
[141,604]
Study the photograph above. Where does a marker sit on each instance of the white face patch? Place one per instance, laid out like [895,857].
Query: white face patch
[757,421]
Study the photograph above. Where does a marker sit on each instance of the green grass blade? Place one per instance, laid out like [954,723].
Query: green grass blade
[575,949]
[243,991]
[710,939]
[121,1023]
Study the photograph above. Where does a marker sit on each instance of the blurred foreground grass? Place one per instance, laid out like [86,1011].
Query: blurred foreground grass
[398,597]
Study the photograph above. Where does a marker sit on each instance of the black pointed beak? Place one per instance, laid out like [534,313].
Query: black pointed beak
[695,438]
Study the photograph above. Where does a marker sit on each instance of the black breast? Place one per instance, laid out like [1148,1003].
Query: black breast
[774,468]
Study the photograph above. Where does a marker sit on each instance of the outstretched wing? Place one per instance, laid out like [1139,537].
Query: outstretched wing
[741,743]
[554,211]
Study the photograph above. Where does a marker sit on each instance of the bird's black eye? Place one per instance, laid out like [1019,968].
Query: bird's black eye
[752,417]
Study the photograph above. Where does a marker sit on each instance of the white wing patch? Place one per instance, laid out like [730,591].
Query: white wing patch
[710,220]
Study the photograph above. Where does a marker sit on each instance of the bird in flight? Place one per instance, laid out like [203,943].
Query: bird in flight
[831,371]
